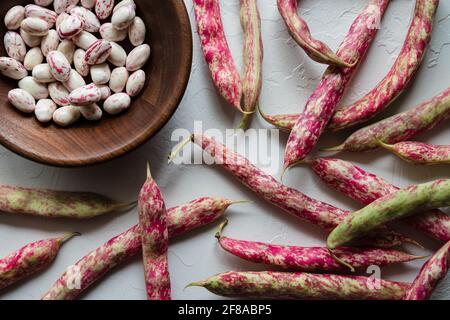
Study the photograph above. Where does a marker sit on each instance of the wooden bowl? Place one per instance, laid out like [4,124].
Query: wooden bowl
[169,35]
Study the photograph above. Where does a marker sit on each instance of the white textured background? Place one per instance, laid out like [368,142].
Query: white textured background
[289,78]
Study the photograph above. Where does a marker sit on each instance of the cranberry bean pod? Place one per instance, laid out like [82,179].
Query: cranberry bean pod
[98,263]
[29,260]
[401,74]
[57,204]
[253,57]
[155,240]
[299,30]
[420,153]
[299,286]
[430,275]
[217,52]
[400,127]
[323,102]
[399,204]
[365,188]
[284,122]
[288,199]
[310,259]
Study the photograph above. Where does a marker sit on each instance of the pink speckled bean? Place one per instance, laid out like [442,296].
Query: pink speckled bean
[420,153]
[323,102]
[216,51]
[85,95]
[34,11]
[57,204]
[120,249]
[400,127]
[401,74]
[303,286]
[30,259]
[59,66]
[310,259]
[91,22]
[288,199]
[15,46]
[12,68]
[62,6]
[70,27]
[104,8]
[155,240]
[365,188]
[430,275]
[98,52]
[299,30]
[14,17]
[253,57]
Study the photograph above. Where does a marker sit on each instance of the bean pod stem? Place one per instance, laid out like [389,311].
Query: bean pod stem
[57,204]
[299,30]
[279,285]
[419,153]
[123,247]
[323,102]
[401,74]
[366,187]
[288,199]
[397,205]
[30,259]
[253,58]
[400,127]
[309,259]
[430,275]
[155,240]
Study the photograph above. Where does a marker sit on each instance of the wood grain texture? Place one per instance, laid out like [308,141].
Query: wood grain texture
[169,34]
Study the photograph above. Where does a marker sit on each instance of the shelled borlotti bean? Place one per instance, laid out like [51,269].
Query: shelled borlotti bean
[58,46]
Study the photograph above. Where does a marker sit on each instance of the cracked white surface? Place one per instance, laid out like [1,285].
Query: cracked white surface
[289,78]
